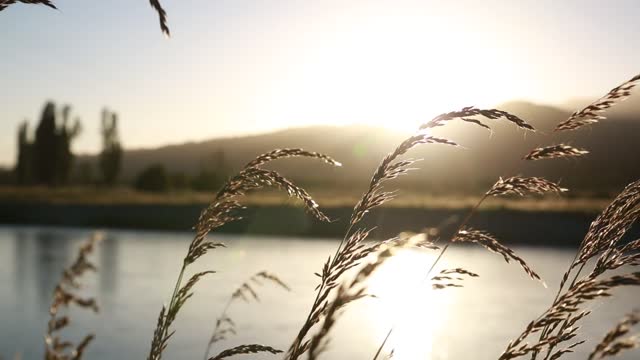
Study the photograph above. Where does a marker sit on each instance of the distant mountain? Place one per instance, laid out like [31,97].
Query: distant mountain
[614,160]
[354,146]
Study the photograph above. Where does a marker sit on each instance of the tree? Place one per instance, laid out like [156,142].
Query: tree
[24,163]
[50,155]
[45,147]
[153,179]
[111,155]
[64,136]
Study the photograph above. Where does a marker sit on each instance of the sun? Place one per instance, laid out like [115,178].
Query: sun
[395,73]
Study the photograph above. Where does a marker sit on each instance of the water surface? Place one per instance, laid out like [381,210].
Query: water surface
[137,270]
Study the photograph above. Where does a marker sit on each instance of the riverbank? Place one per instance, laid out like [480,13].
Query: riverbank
[511,225]
[556,221]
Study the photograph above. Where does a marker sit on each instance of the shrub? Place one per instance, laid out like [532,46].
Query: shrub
[153,179]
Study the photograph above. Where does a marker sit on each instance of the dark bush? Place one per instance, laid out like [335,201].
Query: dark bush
[153,179]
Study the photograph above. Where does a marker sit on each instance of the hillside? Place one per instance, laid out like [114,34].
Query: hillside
[615,153]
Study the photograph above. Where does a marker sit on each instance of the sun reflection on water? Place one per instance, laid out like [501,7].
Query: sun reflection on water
[409,305]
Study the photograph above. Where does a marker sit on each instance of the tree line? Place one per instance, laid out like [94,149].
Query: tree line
[212,174]
[45,157]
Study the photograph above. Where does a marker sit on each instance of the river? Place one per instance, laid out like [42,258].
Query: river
[137,270]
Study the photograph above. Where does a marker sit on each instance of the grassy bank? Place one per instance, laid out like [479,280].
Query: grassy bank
[556,221]
[548,228]
[327,198]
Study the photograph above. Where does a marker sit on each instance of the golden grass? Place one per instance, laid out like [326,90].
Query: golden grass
[64,295]
[224,208]
[329,198]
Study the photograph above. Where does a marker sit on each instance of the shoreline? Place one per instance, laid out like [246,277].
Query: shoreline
[545,227]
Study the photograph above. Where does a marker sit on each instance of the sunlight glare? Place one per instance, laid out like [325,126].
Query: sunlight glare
[407,303]
[393,73]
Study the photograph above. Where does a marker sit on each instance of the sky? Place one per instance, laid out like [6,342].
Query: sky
[236,67]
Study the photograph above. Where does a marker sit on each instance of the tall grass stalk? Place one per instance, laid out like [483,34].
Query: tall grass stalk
[224,209]
[247,291]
